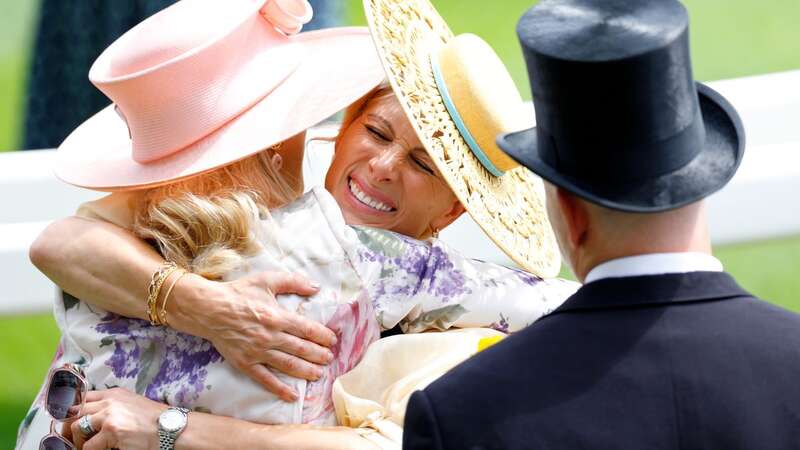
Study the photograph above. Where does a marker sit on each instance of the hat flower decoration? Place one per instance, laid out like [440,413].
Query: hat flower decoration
[288,16]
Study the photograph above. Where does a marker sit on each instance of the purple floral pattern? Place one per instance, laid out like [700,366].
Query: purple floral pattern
[425,285]
[419,285]
[165,364]
[409,268]
[501,325]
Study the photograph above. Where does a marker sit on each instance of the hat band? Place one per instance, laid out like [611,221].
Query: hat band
[636,161]
[459,122]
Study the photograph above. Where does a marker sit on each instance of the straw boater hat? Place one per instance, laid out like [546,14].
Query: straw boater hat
[205,83]
[459,96]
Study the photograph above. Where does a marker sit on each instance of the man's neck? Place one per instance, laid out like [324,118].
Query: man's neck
[591,260]
[614,235]
[654,264]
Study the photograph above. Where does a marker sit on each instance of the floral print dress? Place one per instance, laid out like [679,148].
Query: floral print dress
[371,280]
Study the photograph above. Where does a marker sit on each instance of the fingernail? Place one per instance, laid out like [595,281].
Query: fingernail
[329,356]
[292,396]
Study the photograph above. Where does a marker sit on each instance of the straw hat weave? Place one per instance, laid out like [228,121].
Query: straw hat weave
[509,208]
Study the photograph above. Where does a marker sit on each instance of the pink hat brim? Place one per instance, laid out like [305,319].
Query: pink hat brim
[339,67]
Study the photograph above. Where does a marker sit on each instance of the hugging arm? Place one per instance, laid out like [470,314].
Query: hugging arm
[123,419]
[427,285]
[502,298]
[109,267]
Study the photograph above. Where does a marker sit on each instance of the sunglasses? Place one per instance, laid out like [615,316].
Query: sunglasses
[63,400]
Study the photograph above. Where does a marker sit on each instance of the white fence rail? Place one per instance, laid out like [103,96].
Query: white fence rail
[760,202]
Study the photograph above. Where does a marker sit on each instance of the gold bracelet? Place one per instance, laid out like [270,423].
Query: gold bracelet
[155,288]
[162,315]
[152,311]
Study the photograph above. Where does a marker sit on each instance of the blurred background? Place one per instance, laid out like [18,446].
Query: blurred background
[44,43]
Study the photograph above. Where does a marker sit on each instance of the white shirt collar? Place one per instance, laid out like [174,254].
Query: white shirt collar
[654,264]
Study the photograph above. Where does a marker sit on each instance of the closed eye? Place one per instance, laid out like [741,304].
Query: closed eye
[376,133]
[422,165]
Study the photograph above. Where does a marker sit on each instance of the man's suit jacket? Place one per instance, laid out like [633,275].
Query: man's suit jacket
[676,361]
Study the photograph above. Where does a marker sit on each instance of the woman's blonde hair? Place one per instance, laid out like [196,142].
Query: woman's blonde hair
[207,223]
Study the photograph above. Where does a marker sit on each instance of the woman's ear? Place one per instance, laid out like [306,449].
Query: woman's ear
[277,161]
[455,211]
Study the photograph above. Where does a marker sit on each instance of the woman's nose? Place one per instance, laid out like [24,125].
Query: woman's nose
[384,164]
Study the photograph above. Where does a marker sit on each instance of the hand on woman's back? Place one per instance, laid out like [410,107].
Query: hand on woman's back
[244,322]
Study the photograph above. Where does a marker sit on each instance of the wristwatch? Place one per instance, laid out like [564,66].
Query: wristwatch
[170,425]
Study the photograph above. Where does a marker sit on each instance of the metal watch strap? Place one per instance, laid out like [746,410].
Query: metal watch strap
[166,439]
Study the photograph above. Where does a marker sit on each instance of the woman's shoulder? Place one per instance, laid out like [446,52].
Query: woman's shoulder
[316,202]
[318,208]
[313,213]
[116,208]
[306,234]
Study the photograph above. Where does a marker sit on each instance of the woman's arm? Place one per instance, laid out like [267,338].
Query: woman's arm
[424,285]
[108,266]
[501,298]
[100,263]
[128,421]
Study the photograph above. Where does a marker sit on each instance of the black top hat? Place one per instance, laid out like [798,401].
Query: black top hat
[620,120]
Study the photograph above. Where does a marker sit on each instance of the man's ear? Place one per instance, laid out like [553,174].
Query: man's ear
[455,211]
[576,217]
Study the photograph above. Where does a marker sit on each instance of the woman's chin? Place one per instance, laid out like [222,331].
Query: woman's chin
[355,218]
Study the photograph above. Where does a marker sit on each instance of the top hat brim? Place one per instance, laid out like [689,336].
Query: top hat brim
[338,68]
[706,173]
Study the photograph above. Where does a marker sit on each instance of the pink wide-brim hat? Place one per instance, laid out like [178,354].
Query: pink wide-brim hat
[205,83]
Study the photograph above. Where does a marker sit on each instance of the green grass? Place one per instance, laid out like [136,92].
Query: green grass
[27,345]
[769,269]
[16,23]
[11,74]
[729,38]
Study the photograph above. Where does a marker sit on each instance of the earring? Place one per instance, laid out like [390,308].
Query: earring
[435,234]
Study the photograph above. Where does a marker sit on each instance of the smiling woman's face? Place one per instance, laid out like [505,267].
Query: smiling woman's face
[381,175]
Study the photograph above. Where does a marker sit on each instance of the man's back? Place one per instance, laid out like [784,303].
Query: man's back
[653,362]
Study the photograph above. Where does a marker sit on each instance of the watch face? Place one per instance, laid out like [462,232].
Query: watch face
[172,420]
